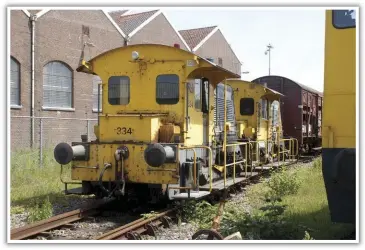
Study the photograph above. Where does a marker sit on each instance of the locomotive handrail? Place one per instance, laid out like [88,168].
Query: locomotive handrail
[297,148]
[191,148]
[234,160]
[267,148]
[290,150]
[210,162]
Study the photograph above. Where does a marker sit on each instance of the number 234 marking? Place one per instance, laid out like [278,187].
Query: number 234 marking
[123,130]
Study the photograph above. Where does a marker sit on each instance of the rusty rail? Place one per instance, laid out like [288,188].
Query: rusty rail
[56,221]
[134,229]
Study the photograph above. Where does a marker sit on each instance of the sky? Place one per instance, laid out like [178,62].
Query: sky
[297,36]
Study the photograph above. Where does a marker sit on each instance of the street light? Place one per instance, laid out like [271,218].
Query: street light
[268,50]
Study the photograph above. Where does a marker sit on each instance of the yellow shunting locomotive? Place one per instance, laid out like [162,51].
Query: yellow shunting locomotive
[173,125]
[339,114]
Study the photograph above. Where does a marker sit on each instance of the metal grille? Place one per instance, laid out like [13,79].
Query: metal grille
[219,107]
[57,85]
[96,85]
[14,82]
[167,89]
[264,109]
[119,90]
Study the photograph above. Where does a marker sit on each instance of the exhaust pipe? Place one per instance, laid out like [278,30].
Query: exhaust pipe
[64,153]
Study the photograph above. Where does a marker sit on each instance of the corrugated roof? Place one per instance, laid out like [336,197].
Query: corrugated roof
[194,36]
[128,23]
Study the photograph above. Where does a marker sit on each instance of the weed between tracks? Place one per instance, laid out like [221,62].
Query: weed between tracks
[290,205]
[33,188]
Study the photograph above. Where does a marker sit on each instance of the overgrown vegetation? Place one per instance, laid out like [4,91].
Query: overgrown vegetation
[33,188]
[40,211]
[290,205]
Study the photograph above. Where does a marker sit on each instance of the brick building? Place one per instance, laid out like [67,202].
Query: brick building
[63,103]
[209,42]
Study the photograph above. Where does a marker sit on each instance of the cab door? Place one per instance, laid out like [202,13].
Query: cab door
[195,132]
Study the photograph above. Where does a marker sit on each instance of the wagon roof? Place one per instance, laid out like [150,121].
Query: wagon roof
[299,84]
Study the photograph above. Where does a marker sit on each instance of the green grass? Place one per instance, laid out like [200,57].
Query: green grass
[309,207]
[305,212]
[291,205]
[34,188]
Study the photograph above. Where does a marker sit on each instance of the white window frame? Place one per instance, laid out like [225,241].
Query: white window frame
[18,104]
[47,106]
[96,84]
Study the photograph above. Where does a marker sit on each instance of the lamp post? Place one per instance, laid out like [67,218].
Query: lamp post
[268,50]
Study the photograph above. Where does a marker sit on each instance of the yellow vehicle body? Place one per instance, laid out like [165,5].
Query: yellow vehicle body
[143,116]
[148,98]
[339,114]
[257,115]
[253,125]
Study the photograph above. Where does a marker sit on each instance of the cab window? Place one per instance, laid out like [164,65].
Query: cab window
[342,19]
[119,90]
[197,92]
[167,89]
[275,113]
[247,106]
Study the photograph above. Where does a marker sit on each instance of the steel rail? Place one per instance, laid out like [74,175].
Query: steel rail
[139,226]
[56,221]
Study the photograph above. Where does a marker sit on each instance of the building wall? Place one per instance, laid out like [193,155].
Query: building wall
[158,31]
[59,36]
[20,50]
[216,46]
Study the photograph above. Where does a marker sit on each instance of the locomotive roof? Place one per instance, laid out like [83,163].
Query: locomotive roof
[85,67]
[266,88]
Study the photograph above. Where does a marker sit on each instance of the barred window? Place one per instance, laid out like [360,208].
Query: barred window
[167,89]
[264,109]
[96,86]
[57,85]
[119,90]
[15,82]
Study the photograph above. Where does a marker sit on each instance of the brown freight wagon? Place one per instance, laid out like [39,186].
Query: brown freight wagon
[301,111]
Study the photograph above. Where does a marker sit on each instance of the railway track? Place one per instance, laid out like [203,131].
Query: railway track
[61,220]
[134,230]
[130,231]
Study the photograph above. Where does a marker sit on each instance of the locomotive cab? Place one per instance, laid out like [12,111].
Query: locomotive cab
[155,105]
[258,119]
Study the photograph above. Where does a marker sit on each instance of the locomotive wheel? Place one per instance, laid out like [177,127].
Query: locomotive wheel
[209,234]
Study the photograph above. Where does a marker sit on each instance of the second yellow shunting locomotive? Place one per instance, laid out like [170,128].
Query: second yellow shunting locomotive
[157,133]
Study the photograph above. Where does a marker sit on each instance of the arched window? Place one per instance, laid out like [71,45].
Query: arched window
[96,82]
[57,85]
[14,82]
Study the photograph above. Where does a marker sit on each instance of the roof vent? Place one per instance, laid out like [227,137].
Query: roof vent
[176,45]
